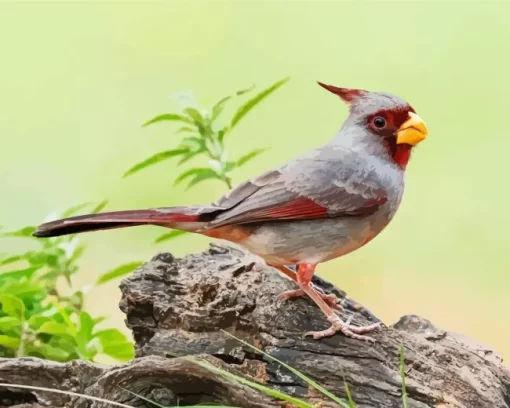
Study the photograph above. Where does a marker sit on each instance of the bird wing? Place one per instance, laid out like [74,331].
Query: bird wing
[324,183]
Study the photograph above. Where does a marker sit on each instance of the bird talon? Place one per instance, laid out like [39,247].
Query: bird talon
[317,289]
[330,299]
[337,325]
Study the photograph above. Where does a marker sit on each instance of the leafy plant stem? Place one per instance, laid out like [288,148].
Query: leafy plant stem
[228,181]
[21,348]
[64,315]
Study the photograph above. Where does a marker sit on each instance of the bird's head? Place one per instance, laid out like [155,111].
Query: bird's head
[382,120]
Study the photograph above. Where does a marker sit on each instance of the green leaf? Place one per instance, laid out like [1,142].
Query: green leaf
[218,107]
[8,322]
[248,106]
[23,289]
[98,320]
[99,207]
[64,314]
[54,328]
[245,90]
[12,259]
[210,174]
[118,272]
[251,155]
[115,344]
[78,252]
[185,129]
[187,157]
[47,351]
[166,117]
[86,327]
[229,166]
[73,210]
[194,144]
[158,157]
[169,235]
[233,377]
[110,336]
[121,352]
[12,306]
[9,342]
[84,336]
[221,135]
[23,232]
[37,320]
[18,274]
[195,115]
[191,172]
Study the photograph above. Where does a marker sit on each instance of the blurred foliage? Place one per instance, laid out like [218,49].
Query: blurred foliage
[36,319]
[205,137]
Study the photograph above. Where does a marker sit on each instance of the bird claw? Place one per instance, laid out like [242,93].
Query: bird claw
[338,325]
[330,299]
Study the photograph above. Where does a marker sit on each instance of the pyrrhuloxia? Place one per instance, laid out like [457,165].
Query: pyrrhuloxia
[319,206]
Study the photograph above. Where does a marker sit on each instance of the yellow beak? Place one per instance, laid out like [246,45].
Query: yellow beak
[412,131]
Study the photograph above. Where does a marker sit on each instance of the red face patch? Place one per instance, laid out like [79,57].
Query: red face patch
[385,124]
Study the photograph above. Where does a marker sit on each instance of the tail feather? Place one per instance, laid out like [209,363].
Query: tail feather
[175,217]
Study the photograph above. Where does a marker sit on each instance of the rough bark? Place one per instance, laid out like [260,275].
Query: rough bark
[177,307]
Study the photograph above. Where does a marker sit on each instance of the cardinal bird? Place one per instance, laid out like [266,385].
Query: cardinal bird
[319,206]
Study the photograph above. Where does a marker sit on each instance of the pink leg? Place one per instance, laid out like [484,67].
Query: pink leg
[331,299]
[304,276]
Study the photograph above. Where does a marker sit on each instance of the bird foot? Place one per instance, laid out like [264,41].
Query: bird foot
[338,325]
[331,300]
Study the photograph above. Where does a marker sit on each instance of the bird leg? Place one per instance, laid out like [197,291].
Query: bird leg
[304,276]
[330,299]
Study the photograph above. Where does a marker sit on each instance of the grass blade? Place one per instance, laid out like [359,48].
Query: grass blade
[144,398]
[164,406]
[349,396]
[298,373]
[259,387]
[403,376]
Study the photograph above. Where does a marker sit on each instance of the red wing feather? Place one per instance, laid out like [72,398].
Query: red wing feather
[296,209]
[299,208]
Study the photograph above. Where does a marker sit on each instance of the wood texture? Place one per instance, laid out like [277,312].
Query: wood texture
[177,307]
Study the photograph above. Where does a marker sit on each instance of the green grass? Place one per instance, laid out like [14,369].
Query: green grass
[403,375]
[241,380]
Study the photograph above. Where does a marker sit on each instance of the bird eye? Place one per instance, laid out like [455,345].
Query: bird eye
[379,122]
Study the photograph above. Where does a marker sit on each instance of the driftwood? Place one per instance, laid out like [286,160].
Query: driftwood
[178,307]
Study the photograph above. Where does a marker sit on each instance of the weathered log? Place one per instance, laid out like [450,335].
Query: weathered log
[169,382]
[178,307]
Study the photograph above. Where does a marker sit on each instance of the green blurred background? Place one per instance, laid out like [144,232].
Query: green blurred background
[79,78]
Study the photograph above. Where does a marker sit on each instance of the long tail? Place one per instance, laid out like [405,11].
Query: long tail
[184,218]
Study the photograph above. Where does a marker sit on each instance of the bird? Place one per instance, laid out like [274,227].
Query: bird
[320,205]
